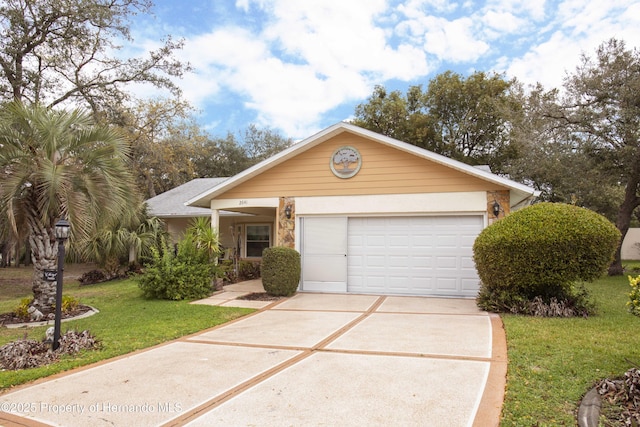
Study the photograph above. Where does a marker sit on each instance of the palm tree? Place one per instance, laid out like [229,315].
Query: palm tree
[204,236]
[129,237]
[58,164]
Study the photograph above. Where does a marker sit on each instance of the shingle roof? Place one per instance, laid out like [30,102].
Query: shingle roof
[171,203]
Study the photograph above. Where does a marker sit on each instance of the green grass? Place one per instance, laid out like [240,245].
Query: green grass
[126,322]
[554,362]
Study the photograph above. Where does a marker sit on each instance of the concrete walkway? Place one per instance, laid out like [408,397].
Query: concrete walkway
[312,359]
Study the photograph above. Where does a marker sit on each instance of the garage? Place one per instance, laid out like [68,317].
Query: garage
[397,255]
[427,255]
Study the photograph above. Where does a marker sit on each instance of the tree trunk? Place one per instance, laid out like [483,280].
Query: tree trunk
[625,212]
[622,223]
[150,187]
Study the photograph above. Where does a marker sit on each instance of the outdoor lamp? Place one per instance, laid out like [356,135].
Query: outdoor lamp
[62,234]
[62,230]
[287,211]
[496,208]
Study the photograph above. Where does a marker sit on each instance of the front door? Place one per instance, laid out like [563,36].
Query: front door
[324,254]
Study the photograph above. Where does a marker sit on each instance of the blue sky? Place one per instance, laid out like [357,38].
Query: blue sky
[298,66]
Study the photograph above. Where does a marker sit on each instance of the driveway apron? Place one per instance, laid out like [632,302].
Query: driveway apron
[310,360]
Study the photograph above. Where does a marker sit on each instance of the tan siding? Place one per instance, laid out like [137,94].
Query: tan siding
[385,170]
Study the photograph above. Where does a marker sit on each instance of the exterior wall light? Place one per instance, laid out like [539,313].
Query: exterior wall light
[287,211]
[496,208]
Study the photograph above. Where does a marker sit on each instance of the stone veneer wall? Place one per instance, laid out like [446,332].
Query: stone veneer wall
[503,198]
[286,227]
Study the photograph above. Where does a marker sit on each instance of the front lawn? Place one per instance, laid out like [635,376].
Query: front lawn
[126,322]
[554,362]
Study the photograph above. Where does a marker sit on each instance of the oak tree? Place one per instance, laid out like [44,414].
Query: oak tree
[602,108]
[466,119]
[55,52]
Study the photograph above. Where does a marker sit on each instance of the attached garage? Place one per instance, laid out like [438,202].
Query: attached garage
[425,255]
[397,255]
[370,214]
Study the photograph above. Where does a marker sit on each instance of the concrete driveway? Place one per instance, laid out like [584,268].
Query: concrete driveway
[313,359]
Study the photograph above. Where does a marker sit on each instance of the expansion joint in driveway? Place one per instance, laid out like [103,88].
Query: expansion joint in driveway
[305,353]
[220,399]
[325,342]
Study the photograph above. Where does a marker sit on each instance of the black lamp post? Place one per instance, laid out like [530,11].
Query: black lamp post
[62,234]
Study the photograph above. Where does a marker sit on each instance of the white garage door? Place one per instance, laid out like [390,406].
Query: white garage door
[413,255]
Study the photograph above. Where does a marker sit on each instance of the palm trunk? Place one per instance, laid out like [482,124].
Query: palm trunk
[133,254]
[44,251]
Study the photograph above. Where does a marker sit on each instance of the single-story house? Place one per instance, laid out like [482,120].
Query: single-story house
[171,207]
[368,213]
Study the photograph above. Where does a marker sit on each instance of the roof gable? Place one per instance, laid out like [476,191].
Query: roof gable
[396,154]
[384,170]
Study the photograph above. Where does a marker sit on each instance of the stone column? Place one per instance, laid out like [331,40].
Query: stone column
[286,233]
[503,198]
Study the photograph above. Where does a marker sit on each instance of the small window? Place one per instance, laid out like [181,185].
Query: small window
[258,238]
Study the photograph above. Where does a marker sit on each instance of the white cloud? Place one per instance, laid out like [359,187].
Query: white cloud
[547,62]
[216,58]
[580,28]
[417,8]
[457,38]
[308,59]
[503,22]
[292,62]
[337,35]
[528,8]
[453,41]
[243,4]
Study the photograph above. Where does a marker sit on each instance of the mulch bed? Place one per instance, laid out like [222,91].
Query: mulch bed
[621,398]
[260,296]
[12,319]
[28,353]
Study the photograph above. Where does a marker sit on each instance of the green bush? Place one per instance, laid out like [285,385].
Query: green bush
[69,303]
[187,274]
[540,251]
[280,270]
[634,296]
[22,309]
[248,270]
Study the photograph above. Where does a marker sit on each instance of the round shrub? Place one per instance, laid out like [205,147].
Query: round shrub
[542,250]
[280,270]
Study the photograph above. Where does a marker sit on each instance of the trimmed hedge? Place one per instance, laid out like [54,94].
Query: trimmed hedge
[542,249]
[280,270]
